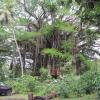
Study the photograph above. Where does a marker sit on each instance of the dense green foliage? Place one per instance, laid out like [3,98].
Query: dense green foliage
[69,86]
[38,35]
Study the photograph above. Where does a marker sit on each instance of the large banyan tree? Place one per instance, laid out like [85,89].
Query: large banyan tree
[50,33]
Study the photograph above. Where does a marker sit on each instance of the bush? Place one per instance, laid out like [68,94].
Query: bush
[26,84]
[88,82]
[59,87]
[72,84]
[68,86]
[44,73]
[81,85]
[63,90]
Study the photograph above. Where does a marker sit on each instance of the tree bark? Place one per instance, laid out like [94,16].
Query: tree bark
[18,49]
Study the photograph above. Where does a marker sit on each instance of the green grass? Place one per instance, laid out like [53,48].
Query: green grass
[86,97]
[98,65]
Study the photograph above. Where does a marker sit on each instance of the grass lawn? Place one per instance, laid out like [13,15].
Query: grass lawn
[87,97]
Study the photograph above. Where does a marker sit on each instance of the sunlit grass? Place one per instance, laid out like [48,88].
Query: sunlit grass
[86,97]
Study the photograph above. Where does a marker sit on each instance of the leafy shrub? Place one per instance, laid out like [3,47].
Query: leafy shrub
[44,73]
[70,85]
[97,81]
[88,82]
[26,84]
[63,90]
[59,86]
[81,85]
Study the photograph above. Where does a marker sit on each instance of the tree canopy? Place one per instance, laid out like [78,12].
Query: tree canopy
[42,33]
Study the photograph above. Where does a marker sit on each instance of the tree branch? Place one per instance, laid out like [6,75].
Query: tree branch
[25,8]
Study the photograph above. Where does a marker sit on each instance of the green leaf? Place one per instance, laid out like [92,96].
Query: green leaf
[64,26]
[3,34]
[23,35]
[3,49]
[67,44]
[53,52]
